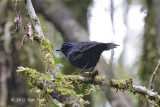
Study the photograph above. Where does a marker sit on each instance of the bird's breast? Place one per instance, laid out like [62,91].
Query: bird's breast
[79,59]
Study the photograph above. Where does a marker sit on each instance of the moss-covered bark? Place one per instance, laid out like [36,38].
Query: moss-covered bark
[66,95]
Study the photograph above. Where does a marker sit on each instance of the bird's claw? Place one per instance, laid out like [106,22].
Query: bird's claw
[93,74]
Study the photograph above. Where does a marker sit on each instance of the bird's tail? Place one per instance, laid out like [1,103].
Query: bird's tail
[109,46]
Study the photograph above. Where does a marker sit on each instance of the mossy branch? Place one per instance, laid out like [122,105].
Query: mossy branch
[64,91]
[117,84]
[64,94]
[54,88]
[44,43]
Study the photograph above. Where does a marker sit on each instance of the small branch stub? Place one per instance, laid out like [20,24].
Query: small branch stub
[153,75]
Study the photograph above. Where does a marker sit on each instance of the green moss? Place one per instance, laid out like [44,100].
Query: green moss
[80,86]
[46,46]
[102,79]
[122,84]
[66,91]
[35,77]
[88,90]
[47,53]
[60,84]
[84,103]
[49,58]
[49,90]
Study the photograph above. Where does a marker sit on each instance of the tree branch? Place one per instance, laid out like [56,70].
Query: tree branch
[124,85]
[44,43]
[64,91]
[153,75]
[34,19]
[54,88]
[117,84]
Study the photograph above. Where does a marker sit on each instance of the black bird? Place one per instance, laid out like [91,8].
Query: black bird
[85,54]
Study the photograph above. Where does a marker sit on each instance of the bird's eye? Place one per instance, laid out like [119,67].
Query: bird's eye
[67,45]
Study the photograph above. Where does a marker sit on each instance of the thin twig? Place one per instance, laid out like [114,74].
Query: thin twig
[153,75]
[152,79]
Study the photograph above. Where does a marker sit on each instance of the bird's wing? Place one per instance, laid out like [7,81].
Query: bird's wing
[85,46]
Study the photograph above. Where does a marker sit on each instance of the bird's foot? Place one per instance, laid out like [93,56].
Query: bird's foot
[85,75]
[74,73]
[90,74]
[93,74]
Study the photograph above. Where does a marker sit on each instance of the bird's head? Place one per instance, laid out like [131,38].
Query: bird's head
[65,47]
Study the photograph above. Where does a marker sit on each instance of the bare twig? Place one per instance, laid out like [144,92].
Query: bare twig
[153,75]
[152,79]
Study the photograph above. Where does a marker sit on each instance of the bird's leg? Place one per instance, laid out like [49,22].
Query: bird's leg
[92,69]
[83,68]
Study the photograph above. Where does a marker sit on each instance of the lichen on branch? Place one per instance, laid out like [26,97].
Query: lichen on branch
[123,85]
[55,88]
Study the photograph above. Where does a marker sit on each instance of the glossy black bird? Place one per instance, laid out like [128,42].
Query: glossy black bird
[85,54]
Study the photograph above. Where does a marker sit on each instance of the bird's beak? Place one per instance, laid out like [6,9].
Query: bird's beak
[58,50]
